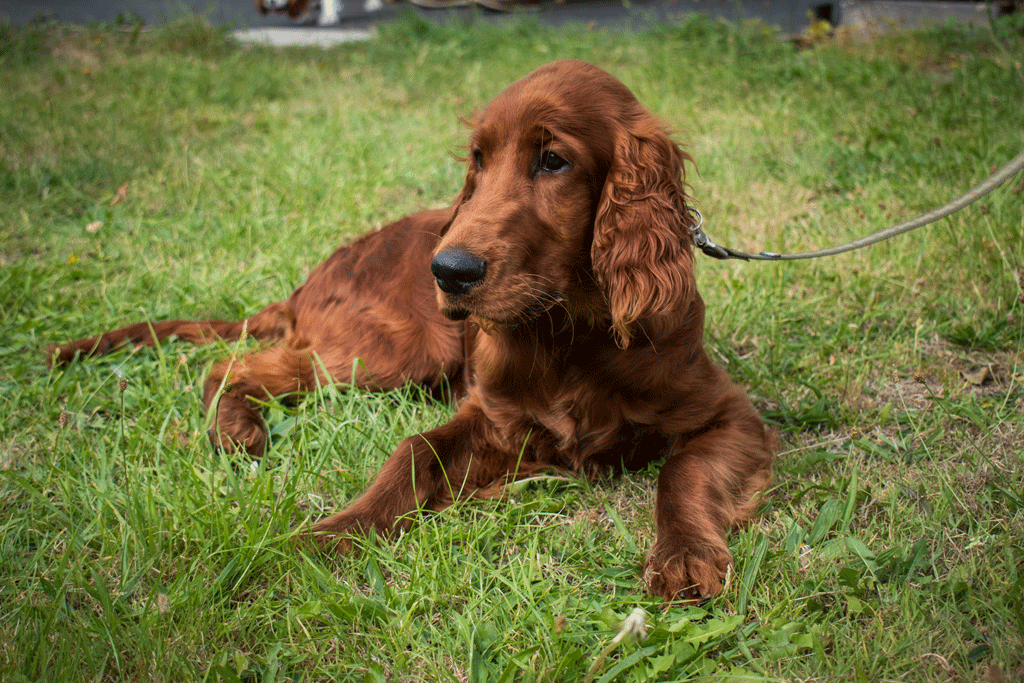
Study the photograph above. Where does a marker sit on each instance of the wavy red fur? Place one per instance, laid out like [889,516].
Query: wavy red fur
[576,343]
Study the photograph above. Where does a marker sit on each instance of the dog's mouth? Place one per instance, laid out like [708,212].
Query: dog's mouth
[455,313]
[506,313]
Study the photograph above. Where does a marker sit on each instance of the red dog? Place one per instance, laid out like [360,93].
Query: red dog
[561,308]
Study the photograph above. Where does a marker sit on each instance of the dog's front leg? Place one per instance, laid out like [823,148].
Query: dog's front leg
[707,485]
[427,471]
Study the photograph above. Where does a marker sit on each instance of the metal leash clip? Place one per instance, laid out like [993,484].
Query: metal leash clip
[701,241]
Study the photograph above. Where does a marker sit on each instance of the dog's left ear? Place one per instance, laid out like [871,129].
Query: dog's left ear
[642,251]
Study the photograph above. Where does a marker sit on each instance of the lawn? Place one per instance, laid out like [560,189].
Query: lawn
[175,173]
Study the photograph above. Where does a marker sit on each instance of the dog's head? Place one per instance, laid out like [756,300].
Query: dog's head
[574,197]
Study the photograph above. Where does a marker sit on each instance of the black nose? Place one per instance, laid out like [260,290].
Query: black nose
[457,270]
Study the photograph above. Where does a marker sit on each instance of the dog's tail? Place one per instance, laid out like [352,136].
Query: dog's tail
[273,322]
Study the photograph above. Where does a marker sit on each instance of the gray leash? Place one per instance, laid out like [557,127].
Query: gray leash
[701,240]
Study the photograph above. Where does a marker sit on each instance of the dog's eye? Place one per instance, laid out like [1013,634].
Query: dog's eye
[478,159]
[551,162]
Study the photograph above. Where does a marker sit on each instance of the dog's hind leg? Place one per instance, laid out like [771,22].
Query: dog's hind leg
[234,387]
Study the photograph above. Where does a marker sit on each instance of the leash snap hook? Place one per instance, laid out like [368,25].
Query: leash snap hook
[702,242]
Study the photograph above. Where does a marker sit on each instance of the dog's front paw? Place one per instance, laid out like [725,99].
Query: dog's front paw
[690,573]
[340,533]
[315,542]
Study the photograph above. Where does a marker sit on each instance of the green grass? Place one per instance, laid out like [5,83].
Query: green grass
[890,548]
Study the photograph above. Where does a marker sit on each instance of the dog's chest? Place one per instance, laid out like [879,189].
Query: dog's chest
[583,400]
